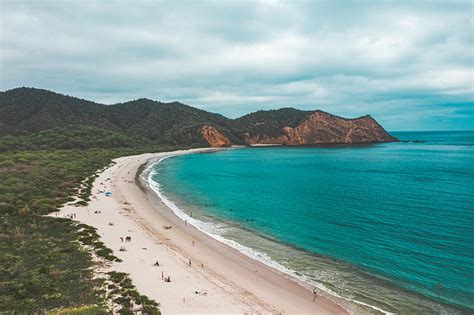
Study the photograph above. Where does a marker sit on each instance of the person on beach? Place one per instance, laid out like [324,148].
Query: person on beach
[162,276]
[193,243]
[185,222]
[190,262]
[121,239]
[315,294]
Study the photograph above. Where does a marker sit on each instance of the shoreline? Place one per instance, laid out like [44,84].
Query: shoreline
[144,180]
[207,276]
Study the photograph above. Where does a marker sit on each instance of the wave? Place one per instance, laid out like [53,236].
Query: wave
[215,230]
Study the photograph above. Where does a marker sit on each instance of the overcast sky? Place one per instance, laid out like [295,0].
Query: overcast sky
[409,64]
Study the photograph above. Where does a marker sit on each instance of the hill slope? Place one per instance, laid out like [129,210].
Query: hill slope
[53,119]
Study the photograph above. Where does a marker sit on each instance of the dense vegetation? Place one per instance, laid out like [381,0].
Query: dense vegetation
[25,112]
[51,118]
[45,262]
[271,122]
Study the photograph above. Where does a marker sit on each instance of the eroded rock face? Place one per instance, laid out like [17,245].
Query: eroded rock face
[322,128]
[214,137]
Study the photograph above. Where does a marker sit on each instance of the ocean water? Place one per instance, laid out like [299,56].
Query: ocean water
[389,226]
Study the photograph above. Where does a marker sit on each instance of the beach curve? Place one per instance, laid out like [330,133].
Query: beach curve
[207,276]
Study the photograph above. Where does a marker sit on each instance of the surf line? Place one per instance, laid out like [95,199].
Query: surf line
[212,230]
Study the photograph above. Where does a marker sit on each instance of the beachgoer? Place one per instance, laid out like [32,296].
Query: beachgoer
[185,222]
[315,294]
[121,239]
[193,243]
[162,275]
[190,262]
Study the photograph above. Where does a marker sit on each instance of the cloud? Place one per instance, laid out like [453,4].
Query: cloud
[394,60]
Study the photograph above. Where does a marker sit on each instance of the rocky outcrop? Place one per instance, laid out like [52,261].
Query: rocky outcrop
[324,128]
[214,137]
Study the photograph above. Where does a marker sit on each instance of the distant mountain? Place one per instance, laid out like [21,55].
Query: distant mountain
[53,120]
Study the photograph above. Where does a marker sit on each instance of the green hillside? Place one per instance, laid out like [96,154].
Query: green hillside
[39,119]
[47,115]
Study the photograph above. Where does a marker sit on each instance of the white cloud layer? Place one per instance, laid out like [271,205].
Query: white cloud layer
[396,60]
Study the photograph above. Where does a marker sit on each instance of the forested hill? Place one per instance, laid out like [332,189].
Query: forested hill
[39,119]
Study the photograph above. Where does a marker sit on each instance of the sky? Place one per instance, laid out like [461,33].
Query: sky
[410,64]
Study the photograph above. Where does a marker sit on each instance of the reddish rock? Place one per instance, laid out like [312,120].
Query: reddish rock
[322,128]
[214,137]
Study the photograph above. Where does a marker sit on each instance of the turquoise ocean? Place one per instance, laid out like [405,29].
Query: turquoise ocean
[389,226]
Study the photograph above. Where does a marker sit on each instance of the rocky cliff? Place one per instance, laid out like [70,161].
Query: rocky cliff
[214,137]
[322,128]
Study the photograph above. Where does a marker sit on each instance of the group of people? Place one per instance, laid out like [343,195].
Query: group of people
[71,215]
[127,239]
[166,279]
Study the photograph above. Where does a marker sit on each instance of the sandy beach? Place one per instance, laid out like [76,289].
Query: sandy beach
[207,277]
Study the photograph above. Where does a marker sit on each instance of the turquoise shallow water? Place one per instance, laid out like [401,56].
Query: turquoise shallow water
[389,225]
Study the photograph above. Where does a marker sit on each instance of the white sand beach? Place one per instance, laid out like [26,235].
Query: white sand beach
[220,280]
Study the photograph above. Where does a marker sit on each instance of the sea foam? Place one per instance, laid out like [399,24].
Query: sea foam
[215,231]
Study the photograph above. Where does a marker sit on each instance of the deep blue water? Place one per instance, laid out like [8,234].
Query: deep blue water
[388,224]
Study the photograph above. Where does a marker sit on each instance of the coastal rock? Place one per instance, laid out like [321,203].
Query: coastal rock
[322,128]
[214,137]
